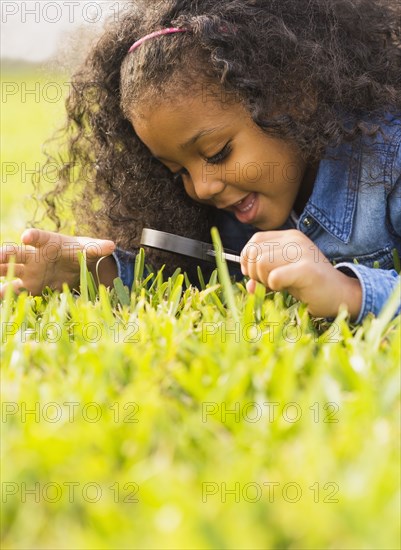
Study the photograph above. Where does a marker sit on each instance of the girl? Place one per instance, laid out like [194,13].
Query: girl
[279,119]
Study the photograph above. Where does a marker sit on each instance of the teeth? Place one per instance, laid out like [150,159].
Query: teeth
[247,208]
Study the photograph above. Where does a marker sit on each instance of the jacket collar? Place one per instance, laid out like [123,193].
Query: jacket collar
[333,200]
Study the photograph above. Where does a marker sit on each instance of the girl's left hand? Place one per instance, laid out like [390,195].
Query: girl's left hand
[288,260]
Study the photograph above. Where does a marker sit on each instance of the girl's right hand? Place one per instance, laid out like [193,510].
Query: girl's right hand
[49,259]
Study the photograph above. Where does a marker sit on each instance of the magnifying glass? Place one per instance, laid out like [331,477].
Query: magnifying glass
[187,247]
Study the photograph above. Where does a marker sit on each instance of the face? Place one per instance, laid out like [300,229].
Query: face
[223,157]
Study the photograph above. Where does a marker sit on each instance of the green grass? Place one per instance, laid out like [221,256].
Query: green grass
[171,417]
[176,403]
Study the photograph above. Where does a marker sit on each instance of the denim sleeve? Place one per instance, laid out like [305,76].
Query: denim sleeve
[394,207]
[125,265]
[377,286]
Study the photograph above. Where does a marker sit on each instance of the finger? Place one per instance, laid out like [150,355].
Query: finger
[17,285]
[7,250]
[251,286]
[244,267]
[95,248]
[251,256]
[244,261]
[38,237]
[18,270]
[20,253]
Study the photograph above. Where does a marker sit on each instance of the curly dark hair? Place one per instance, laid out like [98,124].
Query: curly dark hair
[323,65]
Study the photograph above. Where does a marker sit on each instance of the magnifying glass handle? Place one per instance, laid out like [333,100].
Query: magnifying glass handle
[185,246]
[226,255]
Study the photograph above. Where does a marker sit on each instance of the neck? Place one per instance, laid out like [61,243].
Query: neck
[306,187]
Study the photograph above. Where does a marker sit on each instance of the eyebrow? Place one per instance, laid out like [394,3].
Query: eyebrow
[201,133]
[194,138]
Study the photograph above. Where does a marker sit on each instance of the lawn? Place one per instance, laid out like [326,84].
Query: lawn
[172,417]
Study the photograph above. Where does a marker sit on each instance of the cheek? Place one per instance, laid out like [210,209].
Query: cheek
[189,188]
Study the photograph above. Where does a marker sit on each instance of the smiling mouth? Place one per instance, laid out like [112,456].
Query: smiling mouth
[245,204]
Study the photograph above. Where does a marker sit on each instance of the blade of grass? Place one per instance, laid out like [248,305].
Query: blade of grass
[187,281]
[200,277]
[148,278]
[376,329]
[224,274]
[175,296]
[260,293]
[92,288]
[122,292]
[175,275]
[218,304]
[158,279]
[213,278]
[83,277]
[249,310]
[9,294]
[105,305]
[139,268]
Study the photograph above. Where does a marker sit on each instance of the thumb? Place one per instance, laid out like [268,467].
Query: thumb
[283,277]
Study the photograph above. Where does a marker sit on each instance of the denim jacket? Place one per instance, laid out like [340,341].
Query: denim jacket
[353,215]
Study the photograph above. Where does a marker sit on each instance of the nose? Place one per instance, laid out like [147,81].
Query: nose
[206,186]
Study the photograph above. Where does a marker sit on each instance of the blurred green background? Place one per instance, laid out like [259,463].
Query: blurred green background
[32,109]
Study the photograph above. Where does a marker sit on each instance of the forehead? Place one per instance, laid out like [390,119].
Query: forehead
[174,121]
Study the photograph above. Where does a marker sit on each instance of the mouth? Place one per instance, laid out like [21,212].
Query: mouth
[244,205]
[245,210]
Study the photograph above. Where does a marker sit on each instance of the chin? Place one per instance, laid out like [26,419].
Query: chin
[263,225]
[268,225]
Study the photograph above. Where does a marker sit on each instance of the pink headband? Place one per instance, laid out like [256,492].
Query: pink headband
[170,30]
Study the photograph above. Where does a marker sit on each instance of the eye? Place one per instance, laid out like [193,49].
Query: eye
[216,159]
[223,154]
